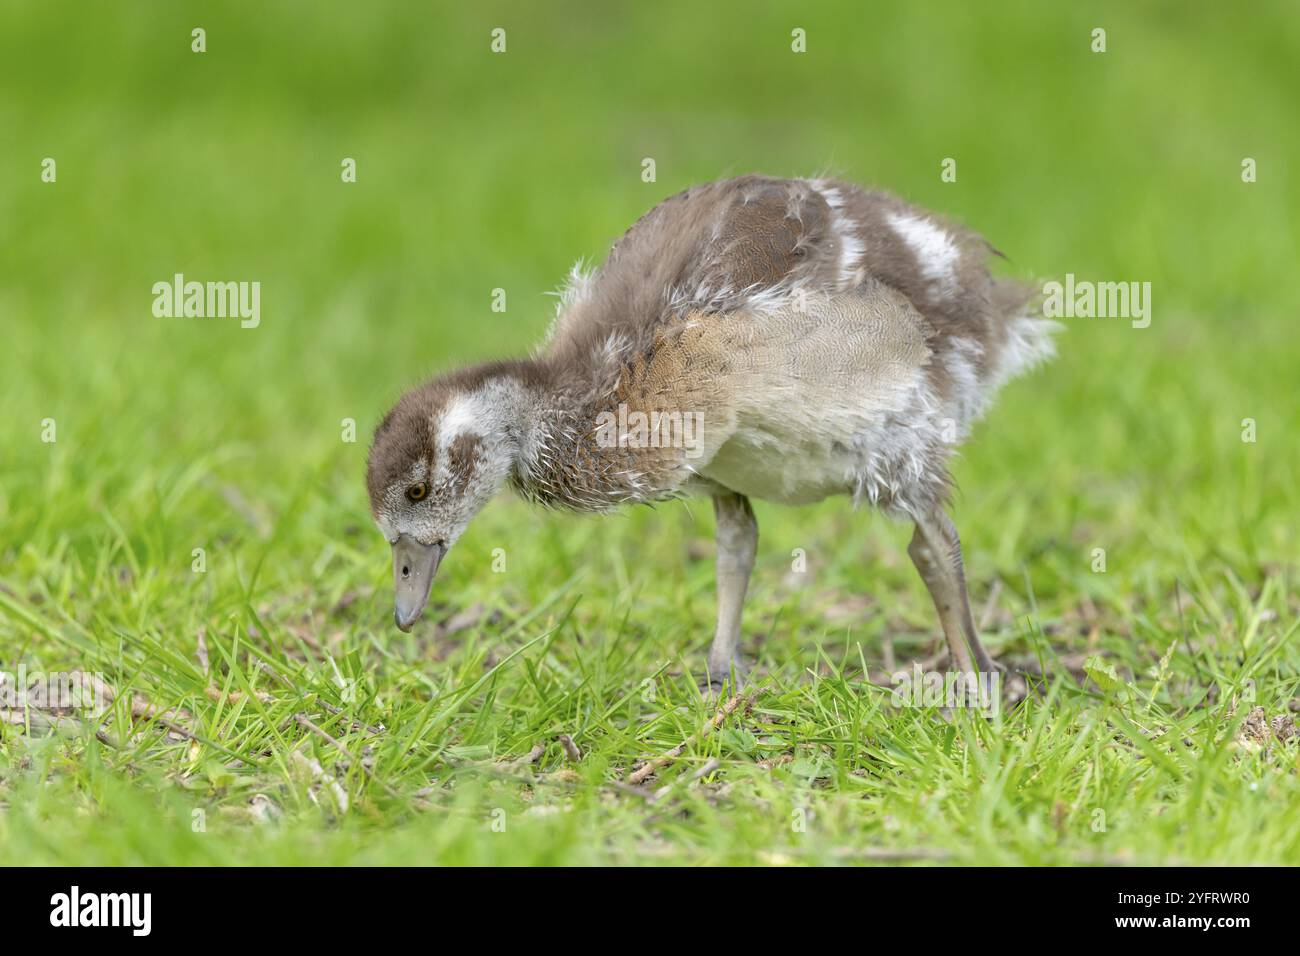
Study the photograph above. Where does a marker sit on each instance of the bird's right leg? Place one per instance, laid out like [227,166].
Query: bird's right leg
[737,540]
[936,552]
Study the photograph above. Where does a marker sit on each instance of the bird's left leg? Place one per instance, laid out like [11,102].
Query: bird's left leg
[737,539]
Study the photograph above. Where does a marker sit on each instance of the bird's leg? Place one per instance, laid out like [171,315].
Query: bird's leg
[936,552]
[737,538]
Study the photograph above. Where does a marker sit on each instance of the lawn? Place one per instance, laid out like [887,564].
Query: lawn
[182,505]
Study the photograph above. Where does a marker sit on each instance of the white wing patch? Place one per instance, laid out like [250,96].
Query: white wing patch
[936,253]
[845,231]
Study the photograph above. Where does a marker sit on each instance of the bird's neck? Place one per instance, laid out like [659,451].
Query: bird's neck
[559,461]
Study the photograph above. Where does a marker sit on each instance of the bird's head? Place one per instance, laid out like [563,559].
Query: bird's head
[437,458]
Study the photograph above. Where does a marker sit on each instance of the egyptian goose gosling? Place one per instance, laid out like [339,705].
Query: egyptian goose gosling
[780,339]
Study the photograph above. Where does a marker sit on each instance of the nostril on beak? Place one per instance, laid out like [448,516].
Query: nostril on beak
[406,571]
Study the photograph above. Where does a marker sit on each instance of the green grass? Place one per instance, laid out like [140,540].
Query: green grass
[478,172]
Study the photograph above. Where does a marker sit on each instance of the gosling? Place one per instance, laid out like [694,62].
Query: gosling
[778,339]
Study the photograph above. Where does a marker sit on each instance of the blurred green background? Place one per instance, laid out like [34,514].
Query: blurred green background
[478,171]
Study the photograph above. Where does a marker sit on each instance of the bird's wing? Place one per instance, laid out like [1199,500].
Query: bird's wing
[741,244]
[757,244]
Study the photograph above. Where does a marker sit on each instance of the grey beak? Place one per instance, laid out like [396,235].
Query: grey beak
[414,565]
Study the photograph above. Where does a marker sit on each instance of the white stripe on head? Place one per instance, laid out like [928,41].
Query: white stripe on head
[461,415]
[490,412]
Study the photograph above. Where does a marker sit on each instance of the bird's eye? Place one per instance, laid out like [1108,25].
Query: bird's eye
[417,491]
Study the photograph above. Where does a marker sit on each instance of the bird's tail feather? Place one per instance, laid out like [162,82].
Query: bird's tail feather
[1026,339]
